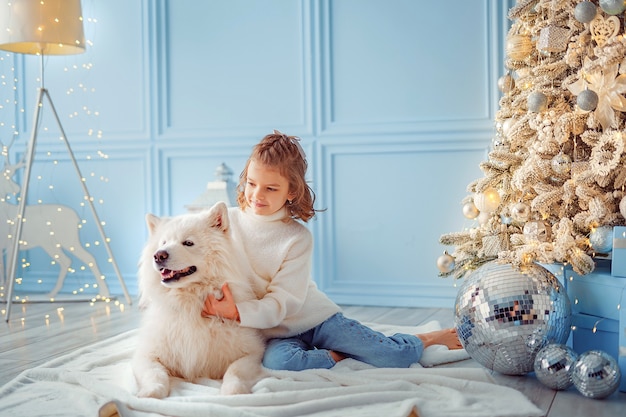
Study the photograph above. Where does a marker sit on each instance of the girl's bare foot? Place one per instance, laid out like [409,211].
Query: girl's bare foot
[336,356]
[446,337]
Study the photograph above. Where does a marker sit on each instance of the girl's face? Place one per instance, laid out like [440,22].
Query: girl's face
[266,189]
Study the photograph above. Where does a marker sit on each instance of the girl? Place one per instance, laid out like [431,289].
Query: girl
[306,329]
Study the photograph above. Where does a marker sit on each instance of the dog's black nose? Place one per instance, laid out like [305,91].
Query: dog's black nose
[160,256]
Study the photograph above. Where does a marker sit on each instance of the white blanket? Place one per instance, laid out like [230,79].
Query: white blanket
[97,380]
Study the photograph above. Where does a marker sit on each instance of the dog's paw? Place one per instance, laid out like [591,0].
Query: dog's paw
[153,390]
[218,294]
[234,387]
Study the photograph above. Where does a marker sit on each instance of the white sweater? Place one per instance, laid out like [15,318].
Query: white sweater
[280,257]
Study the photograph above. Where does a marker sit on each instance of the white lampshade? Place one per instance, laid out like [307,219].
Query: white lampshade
[48,27]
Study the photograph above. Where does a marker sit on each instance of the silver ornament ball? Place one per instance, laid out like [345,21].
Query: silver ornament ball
[499,143]
[585,11]
[613,7]
[505,316]
[622,207]
[596,374]
[561,163]
[537,101]
[587,100]
[553,366]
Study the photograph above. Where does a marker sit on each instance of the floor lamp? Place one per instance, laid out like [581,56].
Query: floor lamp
[50,27]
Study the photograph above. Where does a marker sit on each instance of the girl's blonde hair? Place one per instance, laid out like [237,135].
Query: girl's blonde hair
[284,153]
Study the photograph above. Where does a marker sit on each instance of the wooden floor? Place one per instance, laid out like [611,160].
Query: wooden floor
[37,333]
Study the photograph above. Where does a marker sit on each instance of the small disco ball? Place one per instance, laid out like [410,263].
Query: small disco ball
[504,316]
[596,374]
[553,366]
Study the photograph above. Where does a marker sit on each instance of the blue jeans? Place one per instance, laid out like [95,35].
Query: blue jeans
[310,349]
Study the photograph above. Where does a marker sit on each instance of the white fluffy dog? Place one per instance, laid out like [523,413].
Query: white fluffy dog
[186,258]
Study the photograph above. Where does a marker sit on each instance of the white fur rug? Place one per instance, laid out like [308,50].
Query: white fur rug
[97,381]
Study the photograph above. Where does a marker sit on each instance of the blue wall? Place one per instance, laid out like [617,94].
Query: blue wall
[394,102]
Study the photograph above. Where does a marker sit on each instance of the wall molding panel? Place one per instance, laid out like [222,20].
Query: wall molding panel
[377,82]
[381,229]
[225,81]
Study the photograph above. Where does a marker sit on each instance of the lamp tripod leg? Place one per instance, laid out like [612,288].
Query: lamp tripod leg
[22,203]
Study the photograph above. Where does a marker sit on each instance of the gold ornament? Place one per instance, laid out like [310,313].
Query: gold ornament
[470,211]
[520,212]
[604,29]
[445,263]
[506,83]
[519,47]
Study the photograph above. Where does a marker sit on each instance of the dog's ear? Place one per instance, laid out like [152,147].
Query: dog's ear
[152,222]
[218,216]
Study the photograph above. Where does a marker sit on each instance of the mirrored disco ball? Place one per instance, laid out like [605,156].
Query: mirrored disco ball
[504,316]
[553,365]
[596,374]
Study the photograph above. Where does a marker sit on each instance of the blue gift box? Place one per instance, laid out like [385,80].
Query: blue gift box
[618,262]
[599,321]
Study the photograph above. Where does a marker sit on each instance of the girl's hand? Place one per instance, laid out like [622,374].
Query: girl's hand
[224,308]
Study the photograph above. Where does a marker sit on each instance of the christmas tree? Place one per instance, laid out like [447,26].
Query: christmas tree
[553,184]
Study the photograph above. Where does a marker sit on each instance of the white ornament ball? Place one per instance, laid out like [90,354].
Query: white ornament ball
[507,125]
[562,163]
[613,7]
[537,101]
[601,239]
[483,217]
[487,201]
[470,211]
[585,11]
[520,212]
[587,100]
[445,263]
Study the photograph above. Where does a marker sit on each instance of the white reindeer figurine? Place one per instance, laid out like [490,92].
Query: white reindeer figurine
[52,227]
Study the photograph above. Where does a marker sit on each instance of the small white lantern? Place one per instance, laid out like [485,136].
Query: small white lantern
[224,189]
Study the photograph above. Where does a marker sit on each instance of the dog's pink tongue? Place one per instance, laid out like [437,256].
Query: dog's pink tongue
[166,273]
